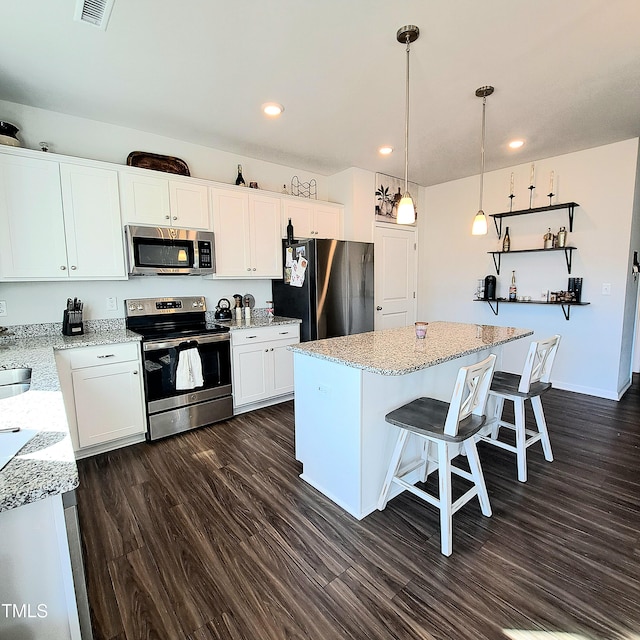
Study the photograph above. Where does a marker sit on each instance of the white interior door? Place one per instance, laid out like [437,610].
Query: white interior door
[395,276]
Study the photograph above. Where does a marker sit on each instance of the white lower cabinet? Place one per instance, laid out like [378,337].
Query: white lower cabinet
[104,396]
[262,365]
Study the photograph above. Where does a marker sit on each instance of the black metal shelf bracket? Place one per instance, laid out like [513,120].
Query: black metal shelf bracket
[495,310]
[497,262]
[566,309]
[570,207]
[568,256]
[498,229]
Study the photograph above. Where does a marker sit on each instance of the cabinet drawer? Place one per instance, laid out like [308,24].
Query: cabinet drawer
[265,334]
[103,354]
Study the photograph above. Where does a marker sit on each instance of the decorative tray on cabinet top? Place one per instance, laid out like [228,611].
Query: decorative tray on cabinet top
[157,162]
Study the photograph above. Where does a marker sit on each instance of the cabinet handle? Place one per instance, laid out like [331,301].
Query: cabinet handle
[248,268]
[266,350]
[73,267]
[63,268]
[254,268]
[251,337]
[108,355]
[271,349]
[135,373]
[284,333]
[378,308]
[167,217]
[175,217]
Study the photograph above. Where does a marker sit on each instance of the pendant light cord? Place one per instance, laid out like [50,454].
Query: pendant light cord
[484,105]
[406,126]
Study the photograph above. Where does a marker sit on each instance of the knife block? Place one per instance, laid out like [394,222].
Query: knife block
[72,323]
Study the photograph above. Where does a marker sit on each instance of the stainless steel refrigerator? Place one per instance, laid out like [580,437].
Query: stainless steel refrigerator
[330,287]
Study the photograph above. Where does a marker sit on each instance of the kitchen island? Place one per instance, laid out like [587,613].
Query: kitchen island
[345,386]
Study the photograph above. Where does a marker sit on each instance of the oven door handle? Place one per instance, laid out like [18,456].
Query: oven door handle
[168,344]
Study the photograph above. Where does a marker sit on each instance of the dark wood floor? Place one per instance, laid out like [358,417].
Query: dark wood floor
[211,534]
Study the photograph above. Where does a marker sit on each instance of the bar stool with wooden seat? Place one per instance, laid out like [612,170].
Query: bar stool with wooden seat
[533,382]
[449,428]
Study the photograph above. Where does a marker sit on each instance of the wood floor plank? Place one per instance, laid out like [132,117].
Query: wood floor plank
[212,535]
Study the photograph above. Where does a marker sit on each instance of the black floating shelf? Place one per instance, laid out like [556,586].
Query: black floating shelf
[523,212]
[568,255]
[566,306]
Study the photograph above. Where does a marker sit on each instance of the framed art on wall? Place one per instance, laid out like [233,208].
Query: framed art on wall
[388,192]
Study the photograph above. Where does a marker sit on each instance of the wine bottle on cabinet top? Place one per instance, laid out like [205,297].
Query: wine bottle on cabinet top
[240,180]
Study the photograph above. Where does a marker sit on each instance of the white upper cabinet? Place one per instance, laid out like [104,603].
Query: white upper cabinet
[163,202]
[247,234]
[58,221]
[312,219]
[93,229]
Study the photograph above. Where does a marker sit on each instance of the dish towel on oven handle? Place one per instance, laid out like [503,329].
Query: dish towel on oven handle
[189,369]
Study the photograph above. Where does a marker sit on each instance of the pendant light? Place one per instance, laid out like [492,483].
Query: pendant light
[480,221]
[406,209]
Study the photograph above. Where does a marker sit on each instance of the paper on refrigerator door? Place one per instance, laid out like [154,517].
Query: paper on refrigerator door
[298,269]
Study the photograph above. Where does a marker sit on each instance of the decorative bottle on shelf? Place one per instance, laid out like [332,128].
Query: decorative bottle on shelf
[506,241]
[240,180]
[285,191]
[513,290]
[290,239]
[548,239]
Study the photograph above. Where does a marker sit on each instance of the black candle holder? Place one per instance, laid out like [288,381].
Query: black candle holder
[550,195]
[531,188]
[511,197]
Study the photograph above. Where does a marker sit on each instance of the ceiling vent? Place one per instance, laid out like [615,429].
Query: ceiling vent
[94,12]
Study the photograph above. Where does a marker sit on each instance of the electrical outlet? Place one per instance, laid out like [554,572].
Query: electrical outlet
[112,304]
[3,308]
[606,288]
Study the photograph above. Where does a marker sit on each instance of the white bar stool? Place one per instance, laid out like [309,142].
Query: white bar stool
[450,428]
[533,382]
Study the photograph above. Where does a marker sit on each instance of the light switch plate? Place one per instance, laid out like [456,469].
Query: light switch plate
[112,304]
[3,308]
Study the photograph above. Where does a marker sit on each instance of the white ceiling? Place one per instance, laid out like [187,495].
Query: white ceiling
[566,75]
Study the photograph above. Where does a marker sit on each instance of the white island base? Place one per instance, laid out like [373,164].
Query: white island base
[342,438]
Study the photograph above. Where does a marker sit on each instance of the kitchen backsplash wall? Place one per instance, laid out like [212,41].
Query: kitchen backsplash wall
[43,302]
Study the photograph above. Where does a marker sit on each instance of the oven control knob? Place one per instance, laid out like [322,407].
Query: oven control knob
[194,304]
[132,307]
[140,307]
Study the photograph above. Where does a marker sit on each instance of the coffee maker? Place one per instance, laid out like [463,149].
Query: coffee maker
[490,288]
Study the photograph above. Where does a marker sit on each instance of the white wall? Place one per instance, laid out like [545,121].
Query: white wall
[594,357]
[355,188]
[84,138]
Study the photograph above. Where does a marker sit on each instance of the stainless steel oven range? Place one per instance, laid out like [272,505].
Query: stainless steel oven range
[186,363]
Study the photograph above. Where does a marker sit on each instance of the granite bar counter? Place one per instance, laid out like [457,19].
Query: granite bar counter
[345,386]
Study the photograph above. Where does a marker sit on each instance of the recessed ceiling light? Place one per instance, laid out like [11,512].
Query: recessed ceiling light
[385,151]
[516,144]
[272,109]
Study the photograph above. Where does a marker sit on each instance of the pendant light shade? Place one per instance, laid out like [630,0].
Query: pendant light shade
[406,209]
[479,227]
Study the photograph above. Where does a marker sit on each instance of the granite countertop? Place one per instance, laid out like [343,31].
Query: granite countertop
[395,352]
[256,322]
[46,465]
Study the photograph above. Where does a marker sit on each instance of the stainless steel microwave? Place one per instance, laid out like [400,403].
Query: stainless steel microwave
[159,251]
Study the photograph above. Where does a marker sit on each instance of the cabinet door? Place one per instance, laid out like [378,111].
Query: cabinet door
[301,214]
[189,205]
[327,222]
[282,362]
[93,230]
[109,402]
[32,241]
[145,200]
[266,243]
[251,366]
[231,229]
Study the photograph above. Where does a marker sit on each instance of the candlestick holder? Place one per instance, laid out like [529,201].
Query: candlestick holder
[531,188]
[511,197]
[550,195]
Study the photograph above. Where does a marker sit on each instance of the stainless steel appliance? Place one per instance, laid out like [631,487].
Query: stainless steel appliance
[170,327]
[160,251]
[336,293]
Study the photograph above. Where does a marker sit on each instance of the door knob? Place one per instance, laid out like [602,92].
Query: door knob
[378,308]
